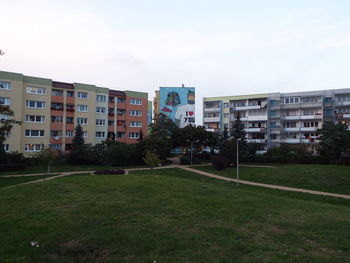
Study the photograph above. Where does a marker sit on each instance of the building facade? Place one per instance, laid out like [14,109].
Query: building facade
[275,118]
[178,103]
[50,110]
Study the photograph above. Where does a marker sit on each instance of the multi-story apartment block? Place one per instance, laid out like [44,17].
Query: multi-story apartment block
[274,118]
[50,110]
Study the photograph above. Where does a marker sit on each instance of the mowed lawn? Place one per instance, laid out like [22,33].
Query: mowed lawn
[327,178]
[168,216]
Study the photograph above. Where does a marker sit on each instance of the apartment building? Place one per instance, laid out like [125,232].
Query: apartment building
[50,110]
[274,118]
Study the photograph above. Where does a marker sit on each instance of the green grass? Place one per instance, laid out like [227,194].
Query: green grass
[169,216]
[328,178]
[35,169]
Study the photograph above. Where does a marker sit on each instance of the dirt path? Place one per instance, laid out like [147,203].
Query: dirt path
[187,168]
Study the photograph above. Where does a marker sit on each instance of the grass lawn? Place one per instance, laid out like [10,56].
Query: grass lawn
[328,178]
[35,169]
[7,181]
[168,216]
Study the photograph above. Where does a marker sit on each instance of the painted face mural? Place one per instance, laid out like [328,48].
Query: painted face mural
[178,104]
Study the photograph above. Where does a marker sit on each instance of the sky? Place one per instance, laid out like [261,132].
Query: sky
[220,47]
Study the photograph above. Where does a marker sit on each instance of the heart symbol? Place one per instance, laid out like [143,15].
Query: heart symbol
[190,113]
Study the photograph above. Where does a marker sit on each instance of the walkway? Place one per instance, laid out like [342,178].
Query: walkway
[186,168]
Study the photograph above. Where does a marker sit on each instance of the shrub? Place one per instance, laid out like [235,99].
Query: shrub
[185,160]
[151,159]
[117,171]
[219,162]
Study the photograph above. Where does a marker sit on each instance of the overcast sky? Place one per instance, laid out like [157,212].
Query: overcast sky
[220,47]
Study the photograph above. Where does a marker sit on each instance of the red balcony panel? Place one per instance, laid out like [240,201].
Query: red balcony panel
[111,128]
[68,140]
[70,100]
[70,114]
[56,126]
[111,104]
[69,126]
[56,112]
[55,140]
[58,99]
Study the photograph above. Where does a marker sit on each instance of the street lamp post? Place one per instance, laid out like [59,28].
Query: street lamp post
[191,147]
[237,142]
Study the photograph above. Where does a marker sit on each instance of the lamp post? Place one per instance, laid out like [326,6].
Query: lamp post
[237,142]
[191,142]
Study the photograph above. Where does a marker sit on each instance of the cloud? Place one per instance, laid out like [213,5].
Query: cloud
[335,42]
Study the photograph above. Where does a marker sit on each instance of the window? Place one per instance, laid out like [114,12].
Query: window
[111,99]
[134,135]
[70,93]
[101,98]
[226,115]
[273,124]
[308,112]
[291,100]
[135,113]
[110,123]
[226,125]
[56,92]
[33,147]
[55,146]
[120,112]
[56,119]
[101,110]
[120,134]
[69,133]
[111,111]
[35,118]
[100,122]
[82,95]
[35,104]
[121,123]
[5,85]
[100,134]
[5,101]
[135,124]
[70,107]
[290,125]
[273,136]
[135,101]
[6,147]
[82,108]
[82,121]
[226,105]
[56,106]
[34,133]
[69,120]
[56,133]
[85,134]
[36,90]
[121,100]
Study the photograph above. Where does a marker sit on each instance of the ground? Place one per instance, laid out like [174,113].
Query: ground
[168,216]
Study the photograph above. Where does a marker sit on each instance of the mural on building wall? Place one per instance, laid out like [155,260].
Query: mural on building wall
[178,104]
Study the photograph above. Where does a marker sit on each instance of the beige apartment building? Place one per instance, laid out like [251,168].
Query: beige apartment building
[50,110]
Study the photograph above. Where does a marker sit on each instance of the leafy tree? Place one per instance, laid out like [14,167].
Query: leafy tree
[334,140]
[6,125]
[151,159]
[163,126]
[46,157]
[81,153]
[78,139]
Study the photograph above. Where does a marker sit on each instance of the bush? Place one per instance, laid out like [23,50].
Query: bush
[186,159]
[12,161]
[220,162]
[151,159]
[118,171]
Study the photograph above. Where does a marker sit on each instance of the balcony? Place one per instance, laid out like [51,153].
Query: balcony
[257,118]
[311,105]
[343,116]
[212,109]
[294,117]
[211,119]
[291,129]
[311,117]
[256,140]
[262,129]
[291,140]
[308,129]
[342,103]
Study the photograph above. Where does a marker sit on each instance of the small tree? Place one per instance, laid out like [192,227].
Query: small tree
[46,157]
[237,129]
[223,139]
[78,150]
[151,159]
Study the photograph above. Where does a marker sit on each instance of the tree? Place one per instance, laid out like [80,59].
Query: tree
[79,152]
[151,159]
[46,157]
[78,139]
[334,139]
[6,125]
[237,129]
[224,137]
